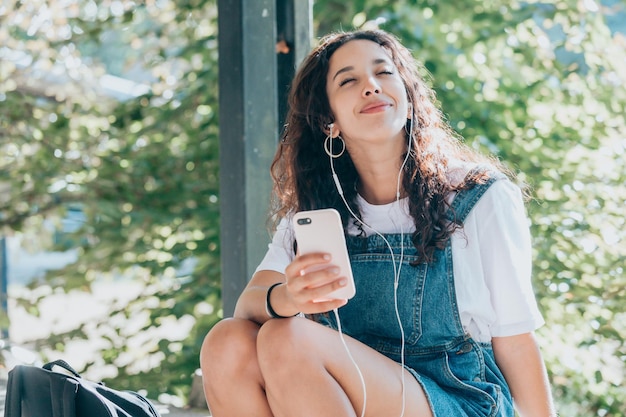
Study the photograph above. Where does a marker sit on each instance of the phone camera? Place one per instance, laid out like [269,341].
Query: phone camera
[304,220]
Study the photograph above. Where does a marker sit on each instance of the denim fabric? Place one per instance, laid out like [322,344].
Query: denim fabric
[460,376]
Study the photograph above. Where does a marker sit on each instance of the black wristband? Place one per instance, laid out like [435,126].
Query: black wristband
[268,306]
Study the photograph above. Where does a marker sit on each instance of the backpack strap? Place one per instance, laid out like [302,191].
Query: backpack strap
[62,364]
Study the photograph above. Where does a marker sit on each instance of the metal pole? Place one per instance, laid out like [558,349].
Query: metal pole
[4,266]
[252,83]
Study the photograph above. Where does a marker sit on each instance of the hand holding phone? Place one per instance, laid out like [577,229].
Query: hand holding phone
[321,231]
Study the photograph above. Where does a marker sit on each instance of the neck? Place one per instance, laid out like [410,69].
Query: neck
[378,195]
[378,180]
[378,165]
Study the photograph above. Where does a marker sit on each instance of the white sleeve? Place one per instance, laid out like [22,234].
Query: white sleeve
[280,250]
[506,255]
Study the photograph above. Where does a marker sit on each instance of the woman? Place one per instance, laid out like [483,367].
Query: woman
[443,318]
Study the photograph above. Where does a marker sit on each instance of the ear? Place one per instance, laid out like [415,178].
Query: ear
[332,129]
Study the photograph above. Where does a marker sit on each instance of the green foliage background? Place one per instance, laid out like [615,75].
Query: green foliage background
[540,84]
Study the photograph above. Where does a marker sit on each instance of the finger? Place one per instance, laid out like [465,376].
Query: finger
[323,277]
[315,287]
[302,263]
[325,288]
[324,306]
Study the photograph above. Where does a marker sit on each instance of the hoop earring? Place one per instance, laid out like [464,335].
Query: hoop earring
[328,146]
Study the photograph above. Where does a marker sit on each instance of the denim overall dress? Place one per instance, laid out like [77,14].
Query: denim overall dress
[459,375]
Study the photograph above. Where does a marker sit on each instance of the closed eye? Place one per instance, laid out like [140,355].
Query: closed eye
[346,81]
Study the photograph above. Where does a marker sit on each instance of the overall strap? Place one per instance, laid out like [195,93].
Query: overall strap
[465,200]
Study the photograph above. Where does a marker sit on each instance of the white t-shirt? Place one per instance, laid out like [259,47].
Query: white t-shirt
[491,257]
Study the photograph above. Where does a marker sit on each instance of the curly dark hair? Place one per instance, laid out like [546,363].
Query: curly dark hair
[301,169]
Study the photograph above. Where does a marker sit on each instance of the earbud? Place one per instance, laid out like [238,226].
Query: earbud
[337,183]
[410,107]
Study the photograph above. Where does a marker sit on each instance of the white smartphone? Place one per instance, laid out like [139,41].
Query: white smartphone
[321,231]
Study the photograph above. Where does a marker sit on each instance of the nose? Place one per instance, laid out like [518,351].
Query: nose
[371,87]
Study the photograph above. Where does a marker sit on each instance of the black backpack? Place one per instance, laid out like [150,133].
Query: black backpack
[41,392]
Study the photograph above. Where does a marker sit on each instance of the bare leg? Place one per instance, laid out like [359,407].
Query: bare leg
[307,372]
[233,384]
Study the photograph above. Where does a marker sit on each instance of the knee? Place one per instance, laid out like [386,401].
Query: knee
[279,342]
[228,347]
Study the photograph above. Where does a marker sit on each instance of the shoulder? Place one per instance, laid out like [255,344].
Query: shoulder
[503,193]
[457,171]
[501,204]
[483,189]
[462,173]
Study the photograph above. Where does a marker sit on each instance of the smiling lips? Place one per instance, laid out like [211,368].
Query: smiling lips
[376,107]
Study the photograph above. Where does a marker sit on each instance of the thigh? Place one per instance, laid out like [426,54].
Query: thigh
[383,377]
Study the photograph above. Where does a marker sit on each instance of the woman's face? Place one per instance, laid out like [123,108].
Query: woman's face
[365,93]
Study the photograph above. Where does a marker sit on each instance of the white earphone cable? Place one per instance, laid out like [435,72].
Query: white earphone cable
[345,345]
[396,268]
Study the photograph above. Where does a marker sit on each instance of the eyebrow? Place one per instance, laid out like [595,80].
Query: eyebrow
[350,67]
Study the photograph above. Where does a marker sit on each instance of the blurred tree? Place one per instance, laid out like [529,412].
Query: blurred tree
[137,157]
[541,85]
